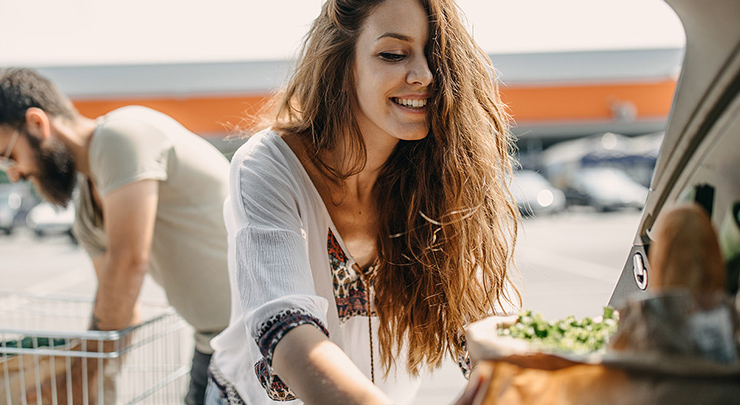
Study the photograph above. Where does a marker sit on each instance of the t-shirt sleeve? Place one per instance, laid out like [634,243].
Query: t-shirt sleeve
[124,151]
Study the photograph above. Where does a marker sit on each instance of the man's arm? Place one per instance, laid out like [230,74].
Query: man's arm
[129,214]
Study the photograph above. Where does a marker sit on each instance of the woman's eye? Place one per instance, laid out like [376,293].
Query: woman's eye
[392,57]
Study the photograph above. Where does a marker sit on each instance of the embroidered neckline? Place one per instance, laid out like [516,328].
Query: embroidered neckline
[352,289]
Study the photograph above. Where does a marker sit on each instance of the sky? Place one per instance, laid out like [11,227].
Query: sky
[82,32]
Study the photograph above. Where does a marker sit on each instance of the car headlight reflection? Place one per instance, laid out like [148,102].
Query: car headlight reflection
[545,198]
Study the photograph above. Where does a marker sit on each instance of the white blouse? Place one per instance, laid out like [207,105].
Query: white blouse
[288,266]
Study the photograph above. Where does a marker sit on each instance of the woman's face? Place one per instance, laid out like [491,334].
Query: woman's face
[392,77]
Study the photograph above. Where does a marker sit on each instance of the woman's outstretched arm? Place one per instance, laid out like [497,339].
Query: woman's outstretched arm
[319,372]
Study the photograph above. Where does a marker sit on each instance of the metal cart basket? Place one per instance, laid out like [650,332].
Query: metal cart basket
[48,357]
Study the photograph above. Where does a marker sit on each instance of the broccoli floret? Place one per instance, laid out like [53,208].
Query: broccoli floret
[569,334]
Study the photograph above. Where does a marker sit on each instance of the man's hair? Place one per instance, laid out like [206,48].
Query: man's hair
[23,88]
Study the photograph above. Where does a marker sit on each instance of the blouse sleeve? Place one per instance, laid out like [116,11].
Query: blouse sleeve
[273,274]
[463,360]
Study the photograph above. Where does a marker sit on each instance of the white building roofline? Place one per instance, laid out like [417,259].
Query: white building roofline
[260,77]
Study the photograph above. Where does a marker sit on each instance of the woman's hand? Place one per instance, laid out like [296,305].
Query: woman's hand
[476,390]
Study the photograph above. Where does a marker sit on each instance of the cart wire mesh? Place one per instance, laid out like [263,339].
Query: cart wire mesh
[47,355]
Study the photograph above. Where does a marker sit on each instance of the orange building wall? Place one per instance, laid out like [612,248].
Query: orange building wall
[202,115]
[587,102]
[214,115]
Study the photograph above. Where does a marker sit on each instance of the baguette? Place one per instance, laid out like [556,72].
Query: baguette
[685,252]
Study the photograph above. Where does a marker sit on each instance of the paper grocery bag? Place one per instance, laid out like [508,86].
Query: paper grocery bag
[596,384]
[58,380]
[22,373]
[517,373]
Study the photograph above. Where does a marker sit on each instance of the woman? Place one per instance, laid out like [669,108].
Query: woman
[379,189]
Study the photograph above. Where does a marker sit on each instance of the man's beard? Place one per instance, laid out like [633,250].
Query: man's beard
[57,177]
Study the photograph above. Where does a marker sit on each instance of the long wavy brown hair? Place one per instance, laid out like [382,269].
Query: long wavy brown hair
[447,221]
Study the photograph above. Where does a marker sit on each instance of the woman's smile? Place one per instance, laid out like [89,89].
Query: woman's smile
[416,104]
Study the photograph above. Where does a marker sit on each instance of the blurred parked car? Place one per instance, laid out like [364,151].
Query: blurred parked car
[534,195]
[605,189]
[47,219]
[10,204]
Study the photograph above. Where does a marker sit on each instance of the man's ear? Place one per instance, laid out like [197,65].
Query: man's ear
[38,123]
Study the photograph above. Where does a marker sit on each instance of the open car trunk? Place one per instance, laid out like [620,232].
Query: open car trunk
[700,157]
[672,345]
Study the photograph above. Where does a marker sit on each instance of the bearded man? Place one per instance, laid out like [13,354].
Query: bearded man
[150,202]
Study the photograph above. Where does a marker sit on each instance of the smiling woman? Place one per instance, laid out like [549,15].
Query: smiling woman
[369,221]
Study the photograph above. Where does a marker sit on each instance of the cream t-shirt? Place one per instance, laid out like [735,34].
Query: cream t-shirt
[188,254]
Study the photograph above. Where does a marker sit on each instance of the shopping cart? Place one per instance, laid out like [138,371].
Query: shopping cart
[48,357]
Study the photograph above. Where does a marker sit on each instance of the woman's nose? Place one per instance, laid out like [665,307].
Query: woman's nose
[420,74]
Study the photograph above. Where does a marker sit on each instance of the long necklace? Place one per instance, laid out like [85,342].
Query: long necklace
[370,271]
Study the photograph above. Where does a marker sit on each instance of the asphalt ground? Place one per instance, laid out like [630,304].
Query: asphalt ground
[569,265]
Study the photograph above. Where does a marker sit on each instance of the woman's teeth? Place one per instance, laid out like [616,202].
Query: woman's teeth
[415,103]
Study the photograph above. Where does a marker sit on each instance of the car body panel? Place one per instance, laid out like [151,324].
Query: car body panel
[535,195]
[10,205]
[605,188]
[45,218]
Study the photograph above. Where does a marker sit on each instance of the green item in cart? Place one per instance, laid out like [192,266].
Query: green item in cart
[586,335]
[28,342]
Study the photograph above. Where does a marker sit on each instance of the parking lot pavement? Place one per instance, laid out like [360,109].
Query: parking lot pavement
[569,265]
[52,265]
[571,262]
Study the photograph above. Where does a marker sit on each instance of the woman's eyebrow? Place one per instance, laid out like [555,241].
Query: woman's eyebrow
[401,37]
